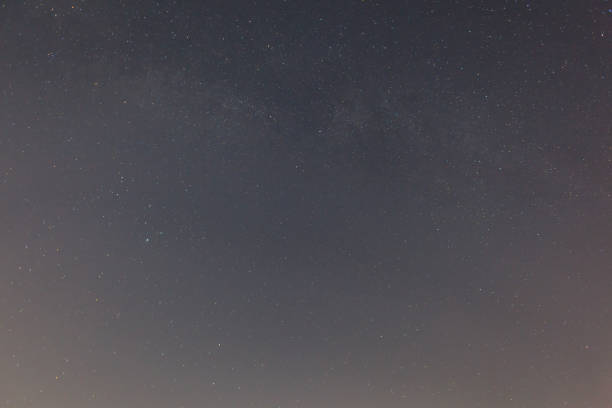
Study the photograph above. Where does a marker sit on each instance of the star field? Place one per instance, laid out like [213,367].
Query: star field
[305,204]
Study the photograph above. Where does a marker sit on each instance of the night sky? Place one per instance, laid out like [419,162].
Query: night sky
[295,204]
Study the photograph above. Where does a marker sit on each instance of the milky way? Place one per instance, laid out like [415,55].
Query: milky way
[305,204]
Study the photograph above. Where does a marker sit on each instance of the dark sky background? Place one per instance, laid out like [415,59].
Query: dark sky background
[293,204]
